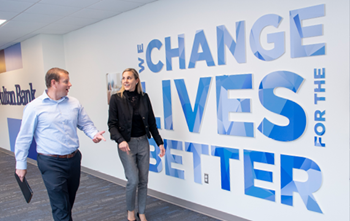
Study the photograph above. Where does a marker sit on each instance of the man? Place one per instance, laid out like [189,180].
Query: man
[53,119]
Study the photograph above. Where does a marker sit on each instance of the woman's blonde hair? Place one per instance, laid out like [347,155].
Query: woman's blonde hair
[138,85]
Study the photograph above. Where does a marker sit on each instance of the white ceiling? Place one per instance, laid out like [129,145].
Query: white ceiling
[27,18]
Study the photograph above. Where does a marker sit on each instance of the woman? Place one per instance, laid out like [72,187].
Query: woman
[131,120]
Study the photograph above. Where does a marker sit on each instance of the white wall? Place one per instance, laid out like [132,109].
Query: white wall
[32,72]
[111,46]
[38,55]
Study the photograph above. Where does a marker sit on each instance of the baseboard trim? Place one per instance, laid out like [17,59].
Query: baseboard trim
[9,152]
[167,198]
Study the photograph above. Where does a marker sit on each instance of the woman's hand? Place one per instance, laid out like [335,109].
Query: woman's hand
[124,146]
[162,150]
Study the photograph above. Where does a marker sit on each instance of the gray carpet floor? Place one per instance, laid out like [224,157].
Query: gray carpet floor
[96,199]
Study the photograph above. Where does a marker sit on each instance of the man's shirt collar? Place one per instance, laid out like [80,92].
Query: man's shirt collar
[47,98]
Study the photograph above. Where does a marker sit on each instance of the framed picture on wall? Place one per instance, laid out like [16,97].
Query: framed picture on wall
[114,84]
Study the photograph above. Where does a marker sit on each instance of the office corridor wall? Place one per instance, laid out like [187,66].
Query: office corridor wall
[251,97]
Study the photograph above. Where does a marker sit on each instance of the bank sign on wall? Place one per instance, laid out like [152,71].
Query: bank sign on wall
[304,114]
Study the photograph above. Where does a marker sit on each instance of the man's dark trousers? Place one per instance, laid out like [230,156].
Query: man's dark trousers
[61,177]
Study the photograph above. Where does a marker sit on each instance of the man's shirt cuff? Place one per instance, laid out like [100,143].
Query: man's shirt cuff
[21,165]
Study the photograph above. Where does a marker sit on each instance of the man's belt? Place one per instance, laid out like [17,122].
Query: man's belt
[61,156]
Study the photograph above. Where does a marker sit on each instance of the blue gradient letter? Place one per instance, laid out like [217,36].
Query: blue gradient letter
[287,108]
[225,155]
[197,150]
[158,167]
[237,49]
[155,43]
[193,117]
[297,32]
[170,158]
[250,174]
[276,38]
[305,189]
[167,107]
[200,40]
[175,52]
[224,105]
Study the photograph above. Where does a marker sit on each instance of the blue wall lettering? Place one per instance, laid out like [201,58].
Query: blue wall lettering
[197,150]
[167,105]
[171,158]
[250,174]
[284,107]
[237,49]
[225,155]
[224,105]
[297,32]
[158,166]
[175,52]
[205,55]
[153,67]
[276,38]
[193,117]
[21,97]
[305,189]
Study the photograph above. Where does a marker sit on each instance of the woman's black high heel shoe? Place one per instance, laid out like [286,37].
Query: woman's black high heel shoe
[127,214]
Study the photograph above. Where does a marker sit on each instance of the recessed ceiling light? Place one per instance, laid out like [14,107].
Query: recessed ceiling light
[2,21]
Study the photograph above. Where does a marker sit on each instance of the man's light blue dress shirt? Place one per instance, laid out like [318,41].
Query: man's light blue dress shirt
[54,126]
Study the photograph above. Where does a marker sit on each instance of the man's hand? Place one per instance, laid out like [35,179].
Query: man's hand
[21,174]
[162,150]
[98,137]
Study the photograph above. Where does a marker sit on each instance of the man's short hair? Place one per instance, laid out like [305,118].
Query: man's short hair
[53,74]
